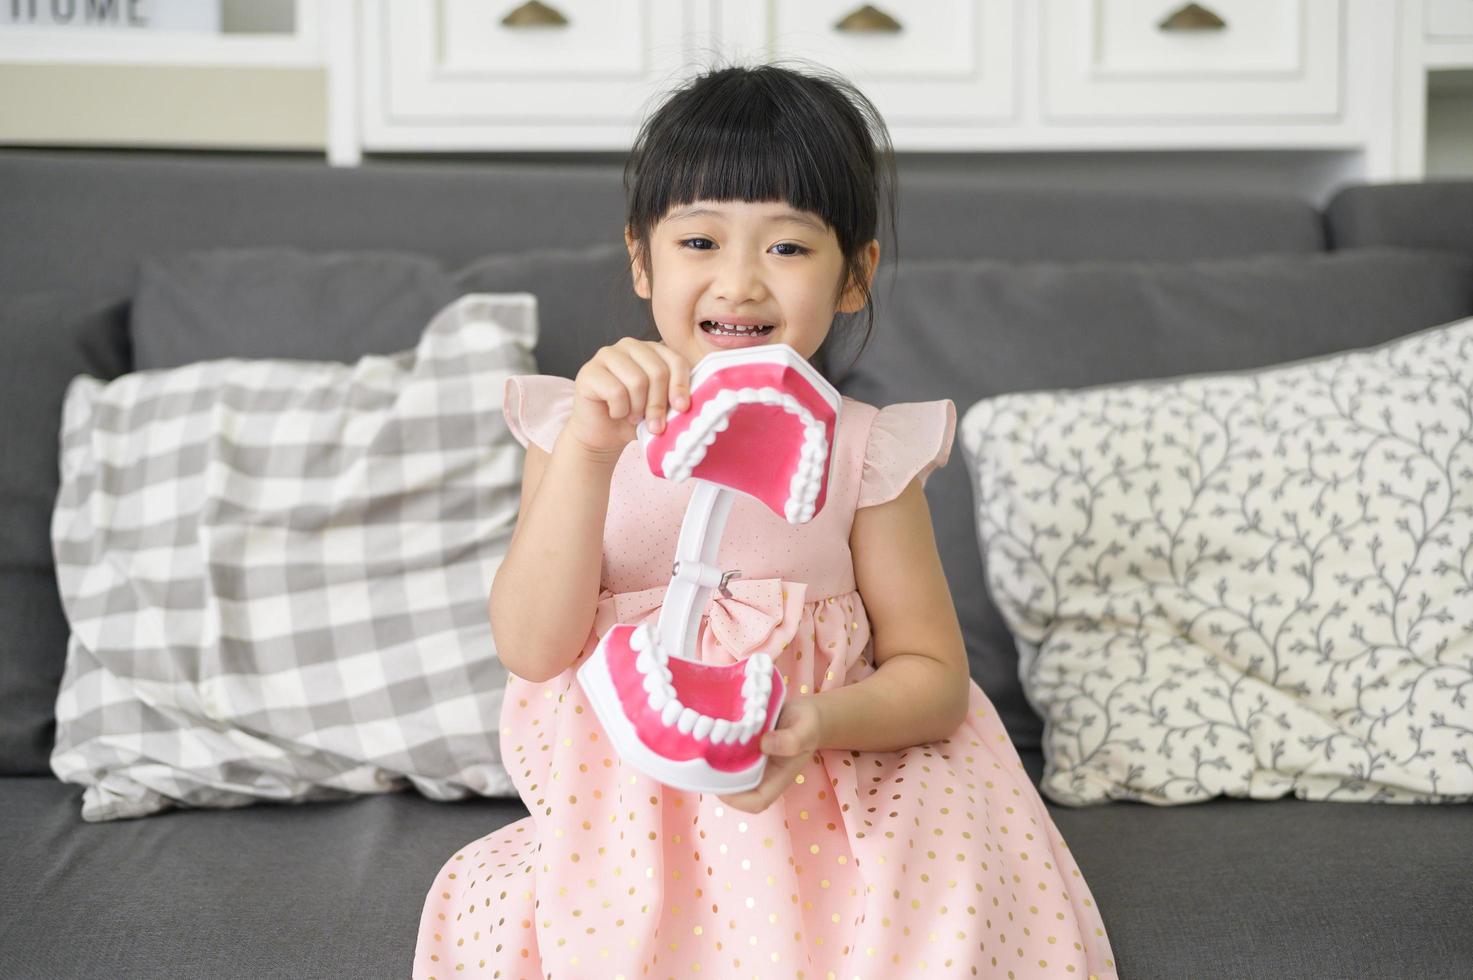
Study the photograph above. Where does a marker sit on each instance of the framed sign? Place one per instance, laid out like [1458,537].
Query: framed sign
[112,15]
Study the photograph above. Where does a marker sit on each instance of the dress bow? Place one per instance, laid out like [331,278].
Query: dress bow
[760,615]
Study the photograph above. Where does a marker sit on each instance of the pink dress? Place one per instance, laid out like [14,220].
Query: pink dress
[939,860]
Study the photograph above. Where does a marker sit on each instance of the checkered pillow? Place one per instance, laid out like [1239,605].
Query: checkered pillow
[276,572]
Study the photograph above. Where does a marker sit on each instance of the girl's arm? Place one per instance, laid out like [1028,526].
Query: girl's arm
[545,594]
[921,687]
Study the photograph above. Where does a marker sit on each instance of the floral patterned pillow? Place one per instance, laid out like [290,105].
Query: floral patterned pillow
[1244,584]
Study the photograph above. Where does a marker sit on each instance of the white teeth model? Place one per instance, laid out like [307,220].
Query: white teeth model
[756,691]
[715,415]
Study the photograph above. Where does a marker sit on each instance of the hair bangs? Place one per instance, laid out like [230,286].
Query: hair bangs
[743,154]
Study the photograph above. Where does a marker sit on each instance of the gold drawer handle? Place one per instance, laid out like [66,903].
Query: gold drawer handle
[534,14]
[868,20]
[1192,17]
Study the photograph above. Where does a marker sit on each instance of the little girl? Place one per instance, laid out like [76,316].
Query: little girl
[895,832]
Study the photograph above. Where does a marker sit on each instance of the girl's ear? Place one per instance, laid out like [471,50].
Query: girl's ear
[853,299]
[641,285]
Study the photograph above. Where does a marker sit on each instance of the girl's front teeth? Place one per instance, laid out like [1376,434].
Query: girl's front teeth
[712,325]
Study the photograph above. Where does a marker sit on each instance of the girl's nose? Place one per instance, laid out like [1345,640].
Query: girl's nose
[739,279]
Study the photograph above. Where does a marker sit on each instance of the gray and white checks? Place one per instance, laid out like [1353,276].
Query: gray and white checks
[276,572]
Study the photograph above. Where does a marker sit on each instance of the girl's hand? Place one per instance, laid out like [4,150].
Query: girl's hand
[623,383]
[789,747]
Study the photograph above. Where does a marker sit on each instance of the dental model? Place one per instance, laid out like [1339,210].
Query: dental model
[762,422]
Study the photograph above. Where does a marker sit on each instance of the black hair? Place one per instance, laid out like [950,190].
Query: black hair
[770,132]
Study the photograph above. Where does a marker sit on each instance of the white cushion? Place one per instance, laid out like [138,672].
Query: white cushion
[1244,584]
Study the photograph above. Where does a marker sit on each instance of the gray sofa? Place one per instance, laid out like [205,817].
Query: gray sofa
[1227,887]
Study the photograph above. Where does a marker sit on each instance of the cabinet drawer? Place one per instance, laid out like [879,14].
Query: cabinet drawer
[941,62]
[515,64]
[1218,61]
[1449,18]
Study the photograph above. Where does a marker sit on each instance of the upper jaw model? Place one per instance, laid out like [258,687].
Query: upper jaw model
[761,422]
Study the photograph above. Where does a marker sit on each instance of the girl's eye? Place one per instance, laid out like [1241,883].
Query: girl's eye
[797,249]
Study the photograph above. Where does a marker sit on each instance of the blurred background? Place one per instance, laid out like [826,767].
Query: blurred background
[1298,95]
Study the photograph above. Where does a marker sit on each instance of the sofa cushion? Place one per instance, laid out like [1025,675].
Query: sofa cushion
[1033,219]
[282,302]
[287,302]
[970,329]
[585,298]
[1277,888]
[49,338]
[1242,583]
[330,890]
[276,572]
[1228,888]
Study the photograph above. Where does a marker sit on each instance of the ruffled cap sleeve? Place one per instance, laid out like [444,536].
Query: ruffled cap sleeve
[536,406]
[906,440]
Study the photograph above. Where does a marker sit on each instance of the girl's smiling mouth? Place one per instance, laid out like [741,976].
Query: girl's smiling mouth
[727,336]
[736,329]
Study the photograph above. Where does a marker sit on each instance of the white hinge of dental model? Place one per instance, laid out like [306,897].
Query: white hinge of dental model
[658,682]
[715,415]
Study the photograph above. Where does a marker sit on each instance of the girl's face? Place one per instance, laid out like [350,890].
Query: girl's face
[762,261]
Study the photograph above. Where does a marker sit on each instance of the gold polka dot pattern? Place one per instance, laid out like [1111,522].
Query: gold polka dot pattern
[936,861]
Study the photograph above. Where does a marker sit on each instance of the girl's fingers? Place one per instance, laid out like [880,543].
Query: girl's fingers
[657,373]
[607,386]
[653,379]
[632,376]
[679,376]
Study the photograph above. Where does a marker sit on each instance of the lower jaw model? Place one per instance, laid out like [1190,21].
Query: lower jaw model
[761,422]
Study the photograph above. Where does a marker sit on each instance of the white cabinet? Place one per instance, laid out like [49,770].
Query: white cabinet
[945,74]
[579,74]
[951,75]
[1435,124]
[1450,19]
[565,74]
[1222,60]
[944,62]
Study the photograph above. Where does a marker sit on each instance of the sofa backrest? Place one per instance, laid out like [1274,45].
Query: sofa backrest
[80,220]
[1432,214]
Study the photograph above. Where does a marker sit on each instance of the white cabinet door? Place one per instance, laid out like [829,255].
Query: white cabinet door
[559,73]
[1223,61]
[1450,18]
[939,63]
